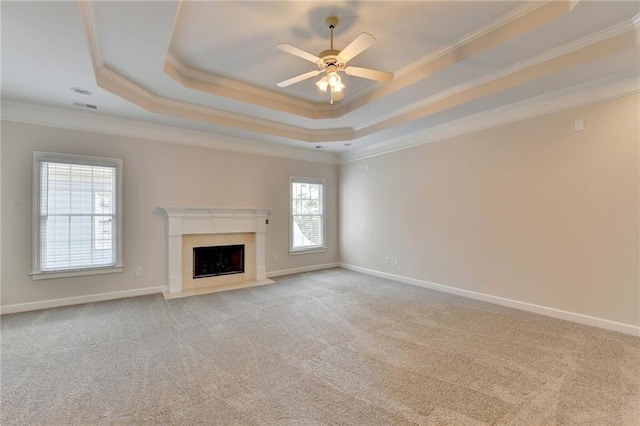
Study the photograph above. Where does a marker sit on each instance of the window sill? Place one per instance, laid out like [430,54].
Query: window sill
[307,251]
[76,273]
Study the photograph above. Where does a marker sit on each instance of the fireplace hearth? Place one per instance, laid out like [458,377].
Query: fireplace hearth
[218,260]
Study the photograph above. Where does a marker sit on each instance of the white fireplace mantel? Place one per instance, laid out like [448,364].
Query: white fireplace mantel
[211,220]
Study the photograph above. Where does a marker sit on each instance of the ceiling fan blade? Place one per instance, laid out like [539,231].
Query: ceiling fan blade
[357,46]
[298,78]
[298,52]
[370,74]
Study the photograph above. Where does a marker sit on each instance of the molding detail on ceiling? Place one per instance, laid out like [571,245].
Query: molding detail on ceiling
[64,118]
[511,25]
[504,28]
[600,90]
[126,89]
[595,91]
[574,3]
[89,23]
[120,86]
[474,35]
[232,89]
[546,58]
[591,52]
[636,24]
[507,27]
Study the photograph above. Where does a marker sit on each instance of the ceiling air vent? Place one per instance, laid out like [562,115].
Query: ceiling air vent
[86,106]
[80,91]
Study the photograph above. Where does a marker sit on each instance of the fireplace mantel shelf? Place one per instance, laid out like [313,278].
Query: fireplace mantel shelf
[193,220]
[172,211]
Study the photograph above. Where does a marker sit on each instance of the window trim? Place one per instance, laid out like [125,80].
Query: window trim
[313,249]
[41,156]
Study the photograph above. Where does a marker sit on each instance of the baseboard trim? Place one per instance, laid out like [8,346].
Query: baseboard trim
[67,301]
[77,300]
[523,306]
[302,269]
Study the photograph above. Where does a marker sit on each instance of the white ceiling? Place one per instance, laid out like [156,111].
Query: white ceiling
[119,50]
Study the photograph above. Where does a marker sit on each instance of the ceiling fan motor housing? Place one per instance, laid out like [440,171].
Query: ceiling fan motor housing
[330,59]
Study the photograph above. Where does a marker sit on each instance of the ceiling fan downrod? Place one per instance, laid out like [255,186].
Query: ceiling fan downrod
[331,22]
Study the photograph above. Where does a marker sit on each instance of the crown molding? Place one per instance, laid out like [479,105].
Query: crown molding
[475,34]
[504,28]
[532,14]
[471,36]
[126,89]
[212,83]
[120,86]
[244,87]
[636,24]
[90,26]
[233,89]
[64,118]
[514,79]
[523,19]
[533,61]
[600,90]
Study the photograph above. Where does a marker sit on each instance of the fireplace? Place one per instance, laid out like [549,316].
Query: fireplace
[218,260]
[196,227]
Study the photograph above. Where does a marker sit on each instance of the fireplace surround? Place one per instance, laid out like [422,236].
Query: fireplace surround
[189,227]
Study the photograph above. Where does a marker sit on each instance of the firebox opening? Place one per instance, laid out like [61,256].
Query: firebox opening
[218,260]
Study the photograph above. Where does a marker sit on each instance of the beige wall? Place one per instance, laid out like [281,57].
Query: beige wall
[531,211]
[155,174]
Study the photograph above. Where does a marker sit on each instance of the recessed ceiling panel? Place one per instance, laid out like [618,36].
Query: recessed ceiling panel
[238,39]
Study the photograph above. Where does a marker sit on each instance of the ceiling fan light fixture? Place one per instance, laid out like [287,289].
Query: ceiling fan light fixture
[323,83]
[334,79]
[337,87]
[331,81]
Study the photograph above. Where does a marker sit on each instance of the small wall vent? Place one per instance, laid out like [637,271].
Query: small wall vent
[86,106]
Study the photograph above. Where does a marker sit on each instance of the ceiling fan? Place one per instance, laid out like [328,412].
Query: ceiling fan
[332,61]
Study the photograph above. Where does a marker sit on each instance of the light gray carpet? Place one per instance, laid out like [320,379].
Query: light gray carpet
[329,347]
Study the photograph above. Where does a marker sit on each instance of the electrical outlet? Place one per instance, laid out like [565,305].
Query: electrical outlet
[139,271]
[397,261]
[275,258]
[387,260]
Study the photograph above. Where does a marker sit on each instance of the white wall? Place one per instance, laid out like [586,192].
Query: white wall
[155,174]
[531,211]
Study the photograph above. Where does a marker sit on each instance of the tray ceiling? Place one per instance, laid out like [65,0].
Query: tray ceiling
[213,66]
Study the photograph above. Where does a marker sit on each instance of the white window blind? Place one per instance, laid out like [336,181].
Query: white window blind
[307,214]
[78,214]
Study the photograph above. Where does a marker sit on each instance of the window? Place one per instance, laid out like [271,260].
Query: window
[307,214]
[76,215]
